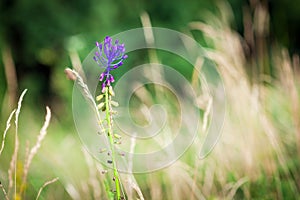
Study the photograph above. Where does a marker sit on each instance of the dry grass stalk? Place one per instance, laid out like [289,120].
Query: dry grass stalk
[207,114]
[182,182]
[235,186]
[288,77]
[156,191]
[11,75]
[155,75]
[13,162]
[75,60]
[27,150]
[35,148]
[82,84]
[87,93]
[196,72]
[149,36]
[45,185]
[92,175]
[248,121]
[5,131]
[296,114]
[4,192]
[132,183]
[72,191]
[195,178]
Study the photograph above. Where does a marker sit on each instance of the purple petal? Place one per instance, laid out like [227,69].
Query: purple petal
[112,78]
[101,77]
[103,87]
[107,82]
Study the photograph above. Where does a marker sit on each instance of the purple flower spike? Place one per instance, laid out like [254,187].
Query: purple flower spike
[109,56]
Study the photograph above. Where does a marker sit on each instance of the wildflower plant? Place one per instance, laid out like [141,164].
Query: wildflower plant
[109,56]
[96,115]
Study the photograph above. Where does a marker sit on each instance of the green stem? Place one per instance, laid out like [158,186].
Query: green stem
[111,141]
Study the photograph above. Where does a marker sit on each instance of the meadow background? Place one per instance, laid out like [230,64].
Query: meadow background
[255,45]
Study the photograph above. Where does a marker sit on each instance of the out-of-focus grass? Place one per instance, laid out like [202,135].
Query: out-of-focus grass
[257,156]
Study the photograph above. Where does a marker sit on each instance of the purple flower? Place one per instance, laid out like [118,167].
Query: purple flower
[109,56]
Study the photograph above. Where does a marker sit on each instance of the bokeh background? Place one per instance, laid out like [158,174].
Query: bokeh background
[256,45]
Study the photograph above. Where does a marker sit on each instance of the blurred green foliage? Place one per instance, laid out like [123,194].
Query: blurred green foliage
[41,33]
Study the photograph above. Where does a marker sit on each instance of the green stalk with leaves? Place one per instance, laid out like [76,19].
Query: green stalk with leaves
[110,56]
[109,119]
